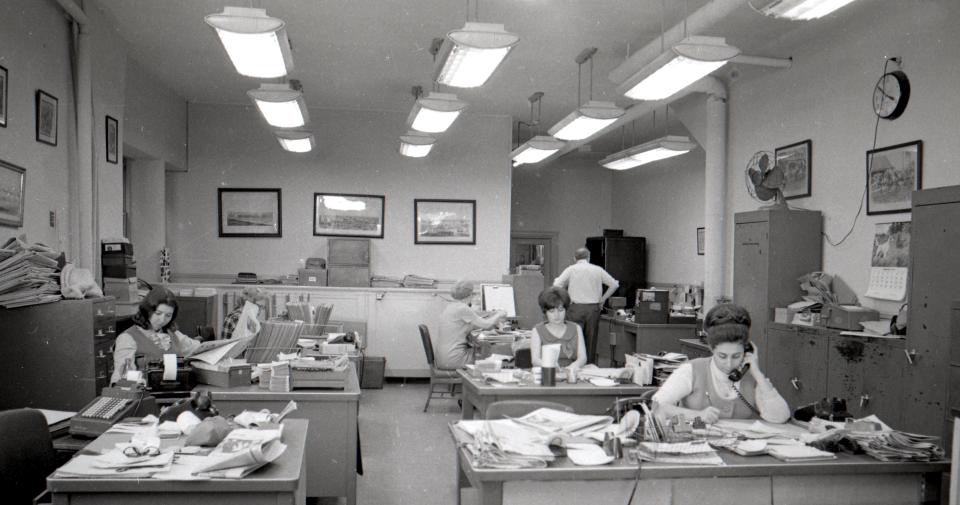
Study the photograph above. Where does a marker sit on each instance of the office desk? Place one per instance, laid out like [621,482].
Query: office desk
[753,480]
[585,398]
[280,482]
[332,436]
[631,337]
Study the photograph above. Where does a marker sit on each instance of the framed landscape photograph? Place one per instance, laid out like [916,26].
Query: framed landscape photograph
[794,161]
[445,221]
[3,96]
[701,236]
[12,180]
[249,212]
[46,118]
[113,150]
[344,215]
[893,173]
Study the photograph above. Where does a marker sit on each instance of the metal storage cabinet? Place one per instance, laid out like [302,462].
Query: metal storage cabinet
[193,311]
[348,264]
[934,284]
[868,372]
[58,355]
[772,249]
[797,363]
[624,258]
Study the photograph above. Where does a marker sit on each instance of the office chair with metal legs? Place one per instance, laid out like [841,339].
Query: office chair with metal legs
[446,380]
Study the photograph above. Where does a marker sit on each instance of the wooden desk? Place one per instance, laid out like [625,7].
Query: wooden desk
[281,482]
[331,440]
[742,481]
[647,338]
[585,398]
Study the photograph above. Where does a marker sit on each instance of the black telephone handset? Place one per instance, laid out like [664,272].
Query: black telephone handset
[738,373]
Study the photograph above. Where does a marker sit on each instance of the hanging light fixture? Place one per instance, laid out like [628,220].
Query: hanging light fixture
[539,147]
[683,64]
[799,9]
[590,117]
[666,147]
[281,105]
[469,56]
[435,112]
[256,43]
[416,145]
[296,141]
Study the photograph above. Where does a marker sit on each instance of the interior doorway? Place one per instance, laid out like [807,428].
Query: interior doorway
[537,248]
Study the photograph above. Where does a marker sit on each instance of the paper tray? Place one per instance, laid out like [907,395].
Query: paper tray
[322,379]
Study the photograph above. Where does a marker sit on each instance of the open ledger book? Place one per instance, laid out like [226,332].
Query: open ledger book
[243,451]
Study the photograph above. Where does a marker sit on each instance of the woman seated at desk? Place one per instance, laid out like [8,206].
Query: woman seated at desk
[709,389]
[557,330]
[456,322]
[152,335]
[254,295]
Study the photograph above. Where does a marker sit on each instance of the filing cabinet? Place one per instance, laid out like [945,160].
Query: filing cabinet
[57,355]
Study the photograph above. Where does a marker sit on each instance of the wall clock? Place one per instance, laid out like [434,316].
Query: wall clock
[891,94]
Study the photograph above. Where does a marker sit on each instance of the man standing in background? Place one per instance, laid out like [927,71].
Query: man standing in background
[584,283]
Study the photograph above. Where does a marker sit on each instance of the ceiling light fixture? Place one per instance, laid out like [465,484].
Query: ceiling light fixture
[281,105]
[435,112]
[296,141]
[539,147]
[469,56]
[685,63]
[416,145]
[256,43]
[666,147]
[799,9]
[592,116]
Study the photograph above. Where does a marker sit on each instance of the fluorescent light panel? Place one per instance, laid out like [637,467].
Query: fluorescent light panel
[535,150]
[586,120]
[685,63]
[469,56]
[257,44]
[280,106]
[296,141]
[416,145]
[435,112]
[662,148]
[802,9]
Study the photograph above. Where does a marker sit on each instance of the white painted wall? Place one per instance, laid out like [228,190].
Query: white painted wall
[155,118]
[356,152]
[147,215]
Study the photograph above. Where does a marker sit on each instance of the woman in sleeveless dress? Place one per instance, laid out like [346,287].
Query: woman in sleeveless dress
[557,330]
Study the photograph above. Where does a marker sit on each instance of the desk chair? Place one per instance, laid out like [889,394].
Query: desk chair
[447,379]
[519,408]
[26,455]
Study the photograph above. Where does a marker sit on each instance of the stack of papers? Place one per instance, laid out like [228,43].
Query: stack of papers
[692,453]
[29,274]
[664,365]
[274,337]
[415,281]
[798,453]
[898,445]
[383,281]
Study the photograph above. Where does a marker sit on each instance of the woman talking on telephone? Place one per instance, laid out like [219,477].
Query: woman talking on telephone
[728,384]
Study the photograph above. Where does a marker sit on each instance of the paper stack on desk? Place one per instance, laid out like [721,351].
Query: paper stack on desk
[28,274]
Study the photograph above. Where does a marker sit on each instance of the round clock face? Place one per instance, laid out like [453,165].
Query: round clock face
[891,94]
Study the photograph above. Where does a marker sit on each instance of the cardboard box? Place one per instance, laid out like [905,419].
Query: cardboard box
[652,307]
[312,277]
[124,290]
[847,317]
[232,376]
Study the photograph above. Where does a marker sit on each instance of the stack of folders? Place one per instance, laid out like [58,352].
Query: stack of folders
[300,311]
[280,377]
[275,337]
[798,453]
[415,281]
[322,314]
[664,365]
[383,281]
[29,274]
[898,445]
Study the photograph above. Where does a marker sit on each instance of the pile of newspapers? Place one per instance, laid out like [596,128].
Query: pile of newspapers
[29,274]
[896,445]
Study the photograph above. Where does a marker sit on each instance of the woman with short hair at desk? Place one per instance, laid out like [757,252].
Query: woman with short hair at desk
[456,322]
[554,302]
[718,387]
[152,335]
[253,294]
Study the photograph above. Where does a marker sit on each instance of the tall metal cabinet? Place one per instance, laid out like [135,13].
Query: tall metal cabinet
[624,258]
[772,249]
[934,284]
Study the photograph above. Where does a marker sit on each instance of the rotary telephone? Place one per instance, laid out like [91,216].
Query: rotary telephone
[738,373]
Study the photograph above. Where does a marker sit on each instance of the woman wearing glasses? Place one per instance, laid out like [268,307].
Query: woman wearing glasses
[557,330]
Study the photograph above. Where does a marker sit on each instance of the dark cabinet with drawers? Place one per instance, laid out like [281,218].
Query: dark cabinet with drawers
[56,355]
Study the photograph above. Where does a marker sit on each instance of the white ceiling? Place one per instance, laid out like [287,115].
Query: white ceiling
[367,54]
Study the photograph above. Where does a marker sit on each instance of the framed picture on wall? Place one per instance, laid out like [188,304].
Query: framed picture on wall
[12,179]
[893,173]
[343,215]
[701,235]
[112,134]
[46,118]
[794,161]
[3,96]
[249,212]
[445,221]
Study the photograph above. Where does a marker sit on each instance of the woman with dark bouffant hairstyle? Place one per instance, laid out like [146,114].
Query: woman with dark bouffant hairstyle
[152,335]
[554,303]
[728,384]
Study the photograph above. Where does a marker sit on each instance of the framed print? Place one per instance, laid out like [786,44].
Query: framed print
[249,212]
[112,138]
[701,233]
[343,215]
[794,161]
[46,118]
[3,96]
[12,180]
[445,221]
[893,173]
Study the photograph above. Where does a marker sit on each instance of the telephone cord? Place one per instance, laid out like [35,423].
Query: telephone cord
[744,400]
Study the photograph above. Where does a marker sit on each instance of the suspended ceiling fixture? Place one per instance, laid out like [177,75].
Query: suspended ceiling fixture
[416,145]
[683,64]
[798,9]
[256,43]
[665,147]
[590,117]
[469,56]
[435,112]
[535,150]
[281,105]
[296,141]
